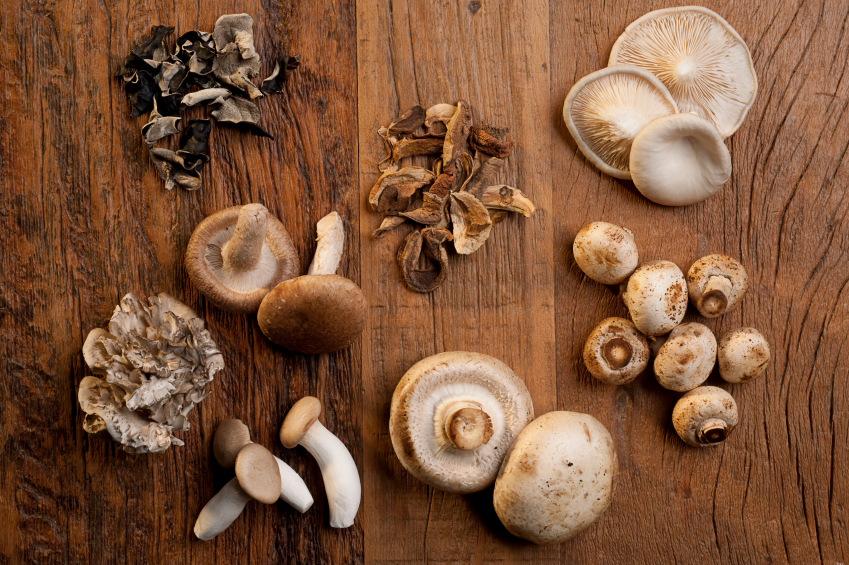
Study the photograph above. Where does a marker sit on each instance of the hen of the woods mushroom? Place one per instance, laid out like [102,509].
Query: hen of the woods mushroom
[213,69]
[456,198]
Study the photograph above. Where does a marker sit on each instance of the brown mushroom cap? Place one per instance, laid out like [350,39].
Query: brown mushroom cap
[301,416]
[265,257]
[743,355]
[230,437]
[687,358]
[616,352]
[258,473]
[314,313]
[716,284]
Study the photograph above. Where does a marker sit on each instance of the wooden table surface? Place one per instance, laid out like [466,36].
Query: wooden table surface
[85,219]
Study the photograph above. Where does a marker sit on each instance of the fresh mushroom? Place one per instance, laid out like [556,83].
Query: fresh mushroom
[705,416]
[257,478]
[743,355]
[716,284]
[319,312]
[616,353]
[237,255]
[656,297]
[453,416]
[687,358]
[231,436]
[557,478]
[341,479]
[605,252]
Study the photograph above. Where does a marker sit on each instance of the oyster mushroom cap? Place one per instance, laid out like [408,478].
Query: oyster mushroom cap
[453,416]
[237,255]
[606,109]
[743,355]
[705,416]
[557,479]
[605,252]
[656,297]
[716,284]
[698,56]
[687,358]
[616,352]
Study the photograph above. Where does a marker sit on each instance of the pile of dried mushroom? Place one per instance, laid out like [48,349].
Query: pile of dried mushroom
[456,198]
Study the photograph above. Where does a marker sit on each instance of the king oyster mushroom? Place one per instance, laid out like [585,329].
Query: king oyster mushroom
[616,353]
[717,284]
[656,297]
[686,358]
[743,355]
[605,252]
[705,416]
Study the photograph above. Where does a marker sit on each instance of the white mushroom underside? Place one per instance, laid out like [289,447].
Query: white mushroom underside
[239,281]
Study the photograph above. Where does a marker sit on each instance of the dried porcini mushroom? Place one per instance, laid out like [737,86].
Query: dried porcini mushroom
[472,224]
[395,190]
[457,136]
[491,140]
[507,199]
[439,114]
[283,68]
[409,122]
[239,113]
[388,224]
[423,260]
[152,365]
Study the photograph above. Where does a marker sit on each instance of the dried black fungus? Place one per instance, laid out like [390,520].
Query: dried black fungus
[159,126]
[144,51]
[194,144]
[282,70]
[239,113]
[140,90]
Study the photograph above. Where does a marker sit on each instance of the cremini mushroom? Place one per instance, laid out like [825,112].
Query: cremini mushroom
[257,478]
[605,252]
[743,355]
[606,109]
[716,284]
[557,478]
[341,479]
[656,297]
[679,159]
[705,416]
[237,255]
[616,352]
[453,416]
[319,312]
[687,358]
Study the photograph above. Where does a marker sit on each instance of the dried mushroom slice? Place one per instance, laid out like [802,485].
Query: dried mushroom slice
[472,224]
[239,113]
[457,137]
[171,169]
[416,146]
[150,49]
[205,96]
[491,140]
[159,126]
[462,169]
[283,68]
[484,173]
[423,260]
[409,122]
[439,114]
[431,212]
[443,183]
[388,224]
[395,191]
[507,198]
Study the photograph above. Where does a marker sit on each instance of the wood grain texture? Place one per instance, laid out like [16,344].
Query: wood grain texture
[84,219]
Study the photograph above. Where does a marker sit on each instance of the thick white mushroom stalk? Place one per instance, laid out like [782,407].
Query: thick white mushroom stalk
[221,511]
[341,479]
[331,242]
[293,490]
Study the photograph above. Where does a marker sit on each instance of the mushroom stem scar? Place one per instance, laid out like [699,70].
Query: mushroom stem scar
[243,250]
[713,430]
[221,510]
[293,490]
[331,242]
[467,426]
[714,301]
[341,479]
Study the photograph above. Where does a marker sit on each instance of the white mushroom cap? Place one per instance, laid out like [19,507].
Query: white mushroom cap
[656,297]
[605,252]
[454,415]
[705,416]
[703,62]
[687,358]
[606,109]
[716,284]
[743,355]
[616,353]
[557,478]
[679,159]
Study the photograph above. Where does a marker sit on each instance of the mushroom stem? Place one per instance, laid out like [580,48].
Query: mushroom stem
[221,511]
[617,352]
[713,430]
[244,249]
[341,479]
[467,426]
[331,241]
[714,300]
[293,490]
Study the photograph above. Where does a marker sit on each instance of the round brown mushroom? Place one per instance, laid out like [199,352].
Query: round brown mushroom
[705,416]
[687,358]
[605,252]
[616,352]
[743,355]
[716,284]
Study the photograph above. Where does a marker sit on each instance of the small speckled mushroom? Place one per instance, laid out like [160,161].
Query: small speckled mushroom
[717,284]
[743,355]
[453,417]
[557,479]
[605,252]
[687,358]
[705,416]
[656,297]
[319,312]
[237,255]
[341,478]
[616,353]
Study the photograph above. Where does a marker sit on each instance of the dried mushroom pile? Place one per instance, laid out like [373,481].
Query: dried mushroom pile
[213,69]
[456,198]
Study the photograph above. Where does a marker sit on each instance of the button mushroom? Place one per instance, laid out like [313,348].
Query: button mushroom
[341,479]
[605,252]
[687,358]
[716,284]
[705,416]
[616,353]
[557,478]
[453,416]
[743,355]
[237,255]
[319,312]
[656,297]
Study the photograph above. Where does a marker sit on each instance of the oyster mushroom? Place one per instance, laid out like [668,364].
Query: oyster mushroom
[453,416]
[716,284]
[705,416]
[237,255]
[687,358]
[606,109]
[703,62]
[656,297]
[743,355]
[557,478]
[605,252]
[616,353]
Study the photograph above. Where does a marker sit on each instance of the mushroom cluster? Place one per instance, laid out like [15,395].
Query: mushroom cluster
[679,81]
[656,294]
[456,198]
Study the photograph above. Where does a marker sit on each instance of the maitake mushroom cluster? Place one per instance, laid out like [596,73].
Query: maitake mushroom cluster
[456,198]
[151,367]
[212,69]
[656,295]
[679,81]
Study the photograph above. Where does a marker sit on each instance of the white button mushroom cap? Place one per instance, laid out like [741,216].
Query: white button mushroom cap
[616,353]
[743,355]
[557,478]
[656,297]
[717,284]
[605,252]
[705,416]
[687,358]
